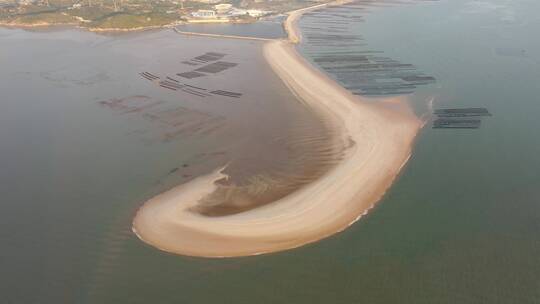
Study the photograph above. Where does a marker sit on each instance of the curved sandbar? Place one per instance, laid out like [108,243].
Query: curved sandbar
[380,137]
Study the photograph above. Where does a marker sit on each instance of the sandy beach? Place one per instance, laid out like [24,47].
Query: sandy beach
[378,137]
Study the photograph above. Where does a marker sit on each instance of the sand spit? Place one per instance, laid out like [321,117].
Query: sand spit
[379,137]
[293,33]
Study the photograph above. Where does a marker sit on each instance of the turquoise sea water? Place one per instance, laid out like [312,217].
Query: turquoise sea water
[460,225]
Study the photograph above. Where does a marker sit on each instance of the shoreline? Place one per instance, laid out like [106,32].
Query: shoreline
[52,26]
[77,25]
[378,137]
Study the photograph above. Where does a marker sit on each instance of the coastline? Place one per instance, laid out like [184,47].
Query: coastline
[46,25]
[378,138]
[77,25]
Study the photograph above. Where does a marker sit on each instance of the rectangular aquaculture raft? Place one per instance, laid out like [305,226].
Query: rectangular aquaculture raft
[444,123]
[464,112]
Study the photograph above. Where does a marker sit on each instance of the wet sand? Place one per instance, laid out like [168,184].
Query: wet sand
[378,137]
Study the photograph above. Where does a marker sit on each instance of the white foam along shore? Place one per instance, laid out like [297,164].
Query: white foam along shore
[379,137]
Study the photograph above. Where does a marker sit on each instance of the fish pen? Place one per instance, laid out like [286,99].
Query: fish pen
[463,112]
[345,54]
[190,75]
[444,123]
[226,93]
[204,58]
[216,67]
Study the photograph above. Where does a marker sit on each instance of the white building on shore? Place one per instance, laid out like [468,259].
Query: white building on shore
[204,14]
[225,11]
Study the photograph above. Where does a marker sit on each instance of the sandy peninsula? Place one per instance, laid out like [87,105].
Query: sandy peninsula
[378,136]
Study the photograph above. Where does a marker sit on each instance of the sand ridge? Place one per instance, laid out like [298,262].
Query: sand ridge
[379,140]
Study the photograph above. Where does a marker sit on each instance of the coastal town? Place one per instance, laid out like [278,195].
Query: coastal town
[103,15]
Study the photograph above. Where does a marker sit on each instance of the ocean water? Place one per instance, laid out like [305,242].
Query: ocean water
[88,134]
[460,225]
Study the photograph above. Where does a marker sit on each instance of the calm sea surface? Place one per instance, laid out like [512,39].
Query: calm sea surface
[85,139]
